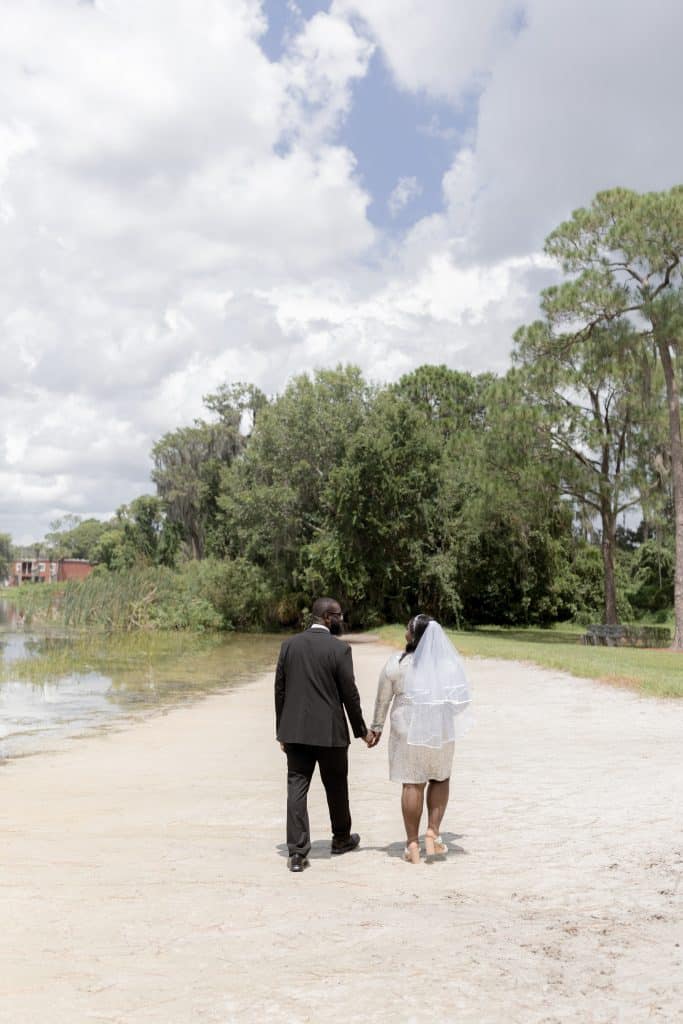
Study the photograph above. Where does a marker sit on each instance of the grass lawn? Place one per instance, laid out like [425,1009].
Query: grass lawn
[658,673]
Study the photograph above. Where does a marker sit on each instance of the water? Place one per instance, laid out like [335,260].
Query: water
[56,687]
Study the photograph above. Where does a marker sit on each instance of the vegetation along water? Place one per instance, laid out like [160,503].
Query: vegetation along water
[53,687]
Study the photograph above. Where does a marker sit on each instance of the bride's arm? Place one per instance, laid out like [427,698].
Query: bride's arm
[385,693]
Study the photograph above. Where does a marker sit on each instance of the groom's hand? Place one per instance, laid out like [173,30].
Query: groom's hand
[372,738]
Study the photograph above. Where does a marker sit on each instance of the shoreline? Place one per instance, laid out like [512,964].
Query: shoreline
[52,695]
[145,878]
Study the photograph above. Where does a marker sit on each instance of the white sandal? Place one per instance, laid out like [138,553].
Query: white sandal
[412,852]
[435,846]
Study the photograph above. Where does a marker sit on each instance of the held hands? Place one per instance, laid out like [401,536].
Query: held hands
[371,739]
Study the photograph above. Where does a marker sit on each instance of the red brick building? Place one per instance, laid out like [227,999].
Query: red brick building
[73,569]
[33,570]
[44,570]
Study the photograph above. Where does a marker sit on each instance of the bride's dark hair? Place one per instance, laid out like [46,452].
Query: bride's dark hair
[416,628]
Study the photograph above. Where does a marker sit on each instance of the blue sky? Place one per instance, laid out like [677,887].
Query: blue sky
[396,134]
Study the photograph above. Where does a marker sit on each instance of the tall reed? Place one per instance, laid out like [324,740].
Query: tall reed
[199,596]
[116,601]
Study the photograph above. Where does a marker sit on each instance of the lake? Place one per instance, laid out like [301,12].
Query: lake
[56,686]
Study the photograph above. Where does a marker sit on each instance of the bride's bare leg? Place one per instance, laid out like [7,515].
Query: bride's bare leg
[437,801]
[412,803]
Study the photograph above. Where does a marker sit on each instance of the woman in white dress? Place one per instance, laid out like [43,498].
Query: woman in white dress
[427,689]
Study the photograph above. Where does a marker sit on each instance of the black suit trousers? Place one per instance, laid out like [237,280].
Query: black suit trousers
[334,770]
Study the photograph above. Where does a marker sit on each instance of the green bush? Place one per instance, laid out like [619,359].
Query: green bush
[201,596]
[231,594]
[583,586]
[651,588]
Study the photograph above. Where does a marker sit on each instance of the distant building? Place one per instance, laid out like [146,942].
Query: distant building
[45,570]
[33,570]
[73,569]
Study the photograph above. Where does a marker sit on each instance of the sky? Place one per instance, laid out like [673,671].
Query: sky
[197,192]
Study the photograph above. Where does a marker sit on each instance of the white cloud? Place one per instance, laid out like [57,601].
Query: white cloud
[176,210]
[407,189]
[322,63]
[155,168]
[444,48]
[434,129]
[584,99]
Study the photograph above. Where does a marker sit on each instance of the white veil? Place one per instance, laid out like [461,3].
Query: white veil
[437,688]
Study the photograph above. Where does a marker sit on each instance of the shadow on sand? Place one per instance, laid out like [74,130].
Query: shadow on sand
[320,848]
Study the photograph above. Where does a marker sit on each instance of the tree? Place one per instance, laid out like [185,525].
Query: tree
[625,253]
[507,528]
[437,507]
[5,555]
[451,400]
[651,586]
[141,535]
[586,397]
[188,462]
[73,537]
[109,550]
[377,533]
[274,499]
[245,399]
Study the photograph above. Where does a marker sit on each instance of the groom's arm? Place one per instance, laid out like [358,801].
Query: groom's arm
[349,693]
[280,687]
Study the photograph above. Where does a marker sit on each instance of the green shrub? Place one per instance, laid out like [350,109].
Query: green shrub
[201,596]
[583,586]
[651,588]
[233,593]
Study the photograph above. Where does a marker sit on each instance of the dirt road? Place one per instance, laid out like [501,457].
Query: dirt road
[144,876]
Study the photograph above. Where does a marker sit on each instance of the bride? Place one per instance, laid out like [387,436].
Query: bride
[429,691]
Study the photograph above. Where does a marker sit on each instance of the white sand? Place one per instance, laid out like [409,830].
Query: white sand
[144,878]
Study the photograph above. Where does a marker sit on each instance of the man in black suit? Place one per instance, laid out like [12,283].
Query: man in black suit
[314,683]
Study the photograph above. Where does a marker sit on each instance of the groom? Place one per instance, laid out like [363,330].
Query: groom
[314,683]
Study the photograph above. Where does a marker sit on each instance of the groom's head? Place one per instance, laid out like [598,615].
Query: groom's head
[328,613]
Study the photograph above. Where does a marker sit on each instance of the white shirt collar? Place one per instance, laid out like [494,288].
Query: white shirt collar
[319,625]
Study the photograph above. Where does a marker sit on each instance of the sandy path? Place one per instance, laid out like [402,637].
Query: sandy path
[143,877]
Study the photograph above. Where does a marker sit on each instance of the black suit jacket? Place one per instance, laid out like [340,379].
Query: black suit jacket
[313,684]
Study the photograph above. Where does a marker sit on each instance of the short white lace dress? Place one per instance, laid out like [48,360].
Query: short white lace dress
[407,763]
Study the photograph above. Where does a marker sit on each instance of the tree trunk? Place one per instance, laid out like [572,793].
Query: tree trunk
[674,404]
[609,541]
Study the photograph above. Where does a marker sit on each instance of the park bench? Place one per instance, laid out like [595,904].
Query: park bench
[627,636]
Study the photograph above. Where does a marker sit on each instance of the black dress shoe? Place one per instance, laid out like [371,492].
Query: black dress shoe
[297,862]
[344,845]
